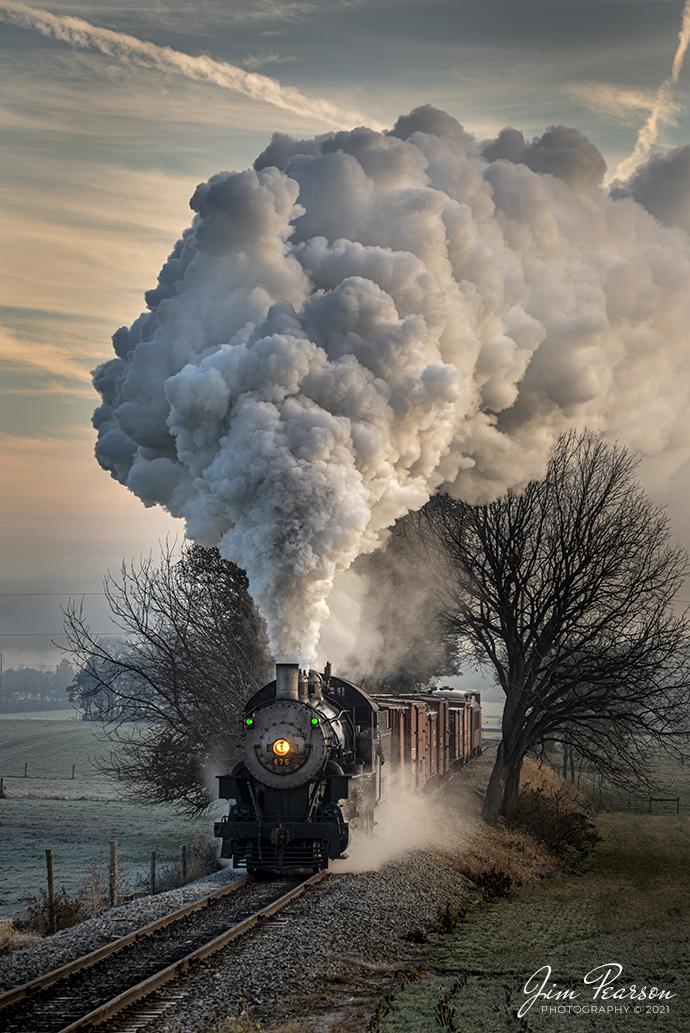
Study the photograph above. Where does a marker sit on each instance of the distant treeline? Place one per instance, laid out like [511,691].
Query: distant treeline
[26,706]
[36,688]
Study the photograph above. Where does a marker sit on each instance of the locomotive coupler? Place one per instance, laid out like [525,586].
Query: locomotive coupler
[280,836]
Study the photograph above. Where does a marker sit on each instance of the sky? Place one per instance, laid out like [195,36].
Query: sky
[110,122]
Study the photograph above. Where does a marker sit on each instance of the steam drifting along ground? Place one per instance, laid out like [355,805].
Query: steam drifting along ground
[367,317]
[411,820]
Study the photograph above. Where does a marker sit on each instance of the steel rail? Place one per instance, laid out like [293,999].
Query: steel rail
[87,960]
[178,968]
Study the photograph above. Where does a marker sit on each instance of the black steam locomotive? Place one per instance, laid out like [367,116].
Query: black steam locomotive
[315,749]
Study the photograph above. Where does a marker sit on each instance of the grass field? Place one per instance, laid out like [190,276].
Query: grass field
[631,907]
[76,818]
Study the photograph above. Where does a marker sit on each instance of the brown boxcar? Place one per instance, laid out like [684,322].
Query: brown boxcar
[425,737]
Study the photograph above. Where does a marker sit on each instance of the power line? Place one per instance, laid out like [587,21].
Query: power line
[13,594]
[44,634]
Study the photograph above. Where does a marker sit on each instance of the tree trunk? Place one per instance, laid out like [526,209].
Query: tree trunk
[501,798]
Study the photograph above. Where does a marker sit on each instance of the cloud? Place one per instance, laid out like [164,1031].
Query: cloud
[106,224]
[81,34]
[56,363]
[259,60]
[271,11]
[663,108]
[624,104]
[364,318]
[58,518]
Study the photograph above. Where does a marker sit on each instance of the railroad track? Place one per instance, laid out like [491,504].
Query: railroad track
[89,991]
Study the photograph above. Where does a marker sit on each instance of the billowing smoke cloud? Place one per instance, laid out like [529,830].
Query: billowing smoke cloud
[662,186]
[365,318]
[562,151]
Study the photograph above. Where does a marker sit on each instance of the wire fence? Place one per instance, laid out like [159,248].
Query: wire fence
[639,804]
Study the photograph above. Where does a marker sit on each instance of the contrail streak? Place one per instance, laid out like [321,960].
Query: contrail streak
[81,34]
[649,132]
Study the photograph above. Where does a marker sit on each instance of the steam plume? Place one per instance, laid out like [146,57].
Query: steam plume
[81,34]
[364,318]
[663,105]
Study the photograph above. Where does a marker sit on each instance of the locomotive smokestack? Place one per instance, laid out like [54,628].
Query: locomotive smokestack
[287,681]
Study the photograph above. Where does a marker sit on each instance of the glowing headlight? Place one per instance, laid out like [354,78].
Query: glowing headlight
[281,747]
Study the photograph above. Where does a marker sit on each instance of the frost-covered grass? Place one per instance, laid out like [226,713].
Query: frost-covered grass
[50,748]
[632,907]
[76,818]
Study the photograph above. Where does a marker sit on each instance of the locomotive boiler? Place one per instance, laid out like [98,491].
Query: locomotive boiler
[319,753]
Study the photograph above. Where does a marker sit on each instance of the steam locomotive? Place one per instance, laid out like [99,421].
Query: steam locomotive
[319,754]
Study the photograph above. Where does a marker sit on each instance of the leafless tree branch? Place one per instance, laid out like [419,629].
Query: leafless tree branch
[171,690]
[567,590]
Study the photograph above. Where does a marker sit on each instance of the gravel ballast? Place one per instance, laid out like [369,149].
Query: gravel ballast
[54,951]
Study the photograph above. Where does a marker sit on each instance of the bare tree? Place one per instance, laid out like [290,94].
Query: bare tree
[566,590]
[172,690]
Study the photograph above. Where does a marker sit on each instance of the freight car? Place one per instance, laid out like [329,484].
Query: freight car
[319,754]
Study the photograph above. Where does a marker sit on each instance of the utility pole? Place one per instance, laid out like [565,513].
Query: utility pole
[1,695]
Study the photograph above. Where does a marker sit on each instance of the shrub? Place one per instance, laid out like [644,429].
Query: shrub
[505,849]
[91,899]
[448,917]
[416,936]
[12,938]
[42,919]
[202,858]
[493,884]
[558,823]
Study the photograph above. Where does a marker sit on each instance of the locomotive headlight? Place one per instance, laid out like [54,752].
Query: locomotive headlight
[281,747]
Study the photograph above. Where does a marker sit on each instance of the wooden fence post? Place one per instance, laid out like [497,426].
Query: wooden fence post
[51,890]
[112,872]
[183,862]
[73,768]
[26,769]
[153,871]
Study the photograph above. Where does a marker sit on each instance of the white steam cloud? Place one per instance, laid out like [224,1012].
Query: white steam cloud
[81,34]
[409,820]
[663,108]
[365,318]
